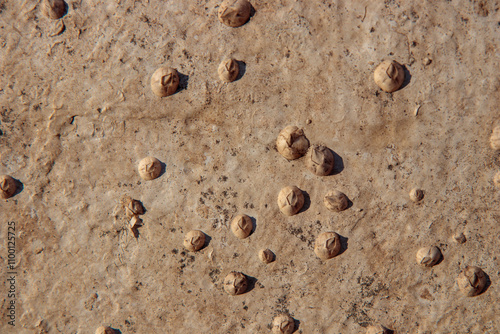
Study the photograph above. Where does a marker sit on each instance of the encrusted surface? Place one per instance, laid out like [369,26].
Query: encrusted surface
[77,114]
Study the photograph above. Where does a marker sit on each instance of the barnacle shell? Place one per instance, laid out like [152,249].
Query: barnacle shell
[241,226]
[164,81]
[234,13]
[336,201]
[235,283]
[389,75]
[8,186]
[149,168]
[292,143]
[228,70]
[327,245]
[320,160]
[194,240]
[290,200]
[283,324]
[471,281]
[428,256]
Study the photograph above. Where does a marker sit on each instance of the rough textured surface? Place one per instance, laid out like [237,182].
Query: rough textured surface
[77,114]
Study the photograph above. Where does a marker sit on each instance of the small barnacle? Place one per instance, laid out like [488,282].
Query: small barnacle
[234,13]
[496,180]
[495,138]
[336,201]
[241,226]
[290,200]
[327,245]
[235,283]
[194,240]
[149,168]
[266,256]
[471,281]
[376,329]
[105,330]
[8,186]
[54,9]
[320,160]
[135,222]
[134,208]
[416,195]
[292,143]
[389,75]
[228,70]
[164,81]
[428,256]
[460,238]
[283,324]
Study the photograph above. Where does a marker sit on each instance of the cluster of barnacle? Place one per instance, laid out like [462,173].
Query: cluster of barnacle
[291,144]
[233,13]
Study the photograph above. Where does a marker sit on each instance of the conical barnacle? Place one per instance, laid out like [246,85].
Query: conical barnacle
[149,168]
[234,13]
[241,226]
[54,9]
[228,70]
[164,81]
[428,256]
[336,201]
[8,186]
[320,160]
[471,281]
[290,200]
[283,324]
[235,283]
[327,245]
[389,75]
[292,143]
[194,240]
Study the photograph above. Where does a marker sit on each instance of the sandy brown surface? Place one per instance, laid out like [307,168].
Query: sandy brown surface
[77,114]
